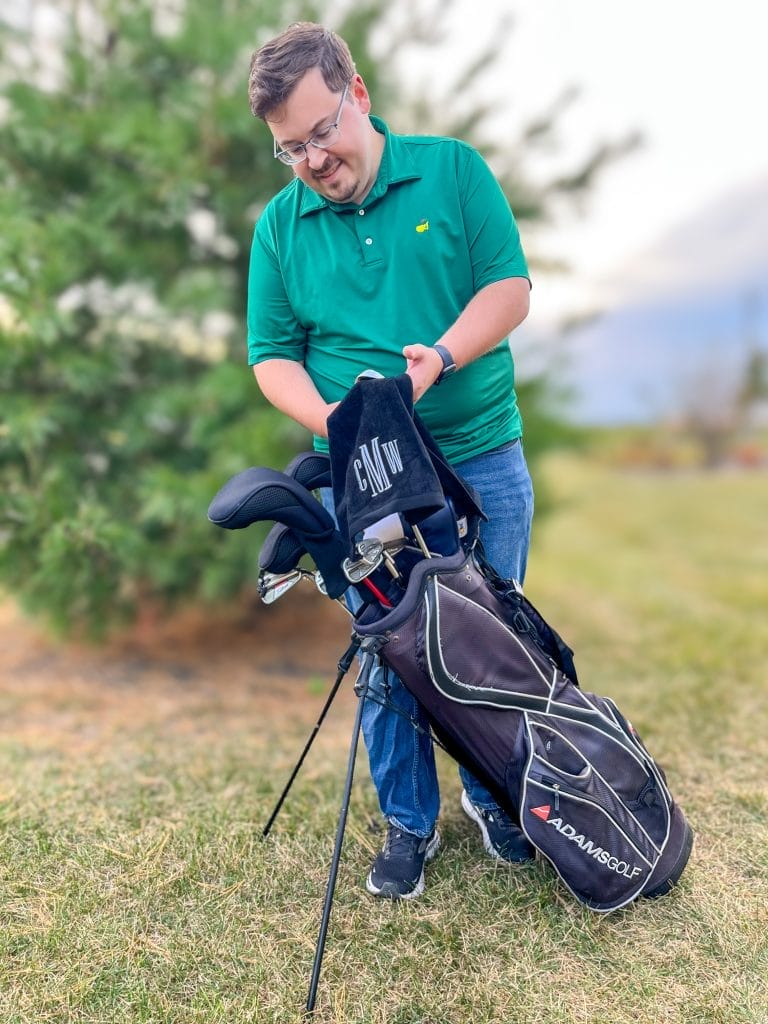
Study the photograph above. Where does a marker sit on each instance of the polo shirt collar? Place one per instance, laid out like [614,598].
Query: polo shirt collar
[397,165]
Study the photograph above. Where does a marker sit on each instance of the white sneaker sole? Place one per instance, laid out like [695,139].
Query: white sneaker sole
[471,812]
[386,892]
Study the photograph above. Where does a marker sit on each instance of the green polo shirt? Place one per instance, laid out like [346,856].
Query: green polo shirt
[342,288]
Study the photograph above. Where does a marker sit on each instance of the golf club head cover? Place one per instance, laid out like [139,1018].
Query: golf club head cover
[260,494]
[281,550]
[312,469]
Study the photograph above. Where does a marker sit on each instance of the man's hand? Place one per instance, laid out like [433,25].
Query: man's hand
[424,367]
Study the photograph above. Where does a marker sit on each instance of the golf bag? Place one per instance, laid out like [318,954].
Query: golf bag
[497,683]
[564,762]
[500,689]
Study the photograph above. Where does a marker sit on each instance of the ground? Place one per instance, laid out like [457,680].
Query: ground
[193,669]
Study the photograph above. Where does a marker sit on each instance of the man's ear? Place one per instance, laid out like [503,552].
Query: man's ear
[359,92]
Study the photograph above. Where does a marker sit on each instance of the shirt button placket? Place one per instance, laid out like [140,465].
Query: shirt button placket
[366,240]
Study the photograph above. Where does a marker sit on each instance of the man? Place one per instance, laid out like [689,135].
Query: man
[398,254]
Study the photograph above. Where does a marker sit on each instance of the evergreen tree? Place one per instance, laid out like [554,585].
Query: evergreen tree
[133,174]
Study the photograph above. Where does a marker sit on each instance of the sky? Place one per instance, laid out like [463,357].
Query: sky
[690,75]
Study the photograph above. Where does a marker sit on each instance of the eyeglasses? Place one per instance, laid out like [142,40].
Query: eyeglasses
[322,139]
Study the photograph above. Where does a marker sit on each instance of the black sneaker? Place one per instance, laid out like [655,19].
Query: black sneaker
[501,838]
[398,871]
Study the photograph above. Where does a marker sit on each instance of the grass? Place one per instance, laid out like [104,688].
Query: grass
[136,888]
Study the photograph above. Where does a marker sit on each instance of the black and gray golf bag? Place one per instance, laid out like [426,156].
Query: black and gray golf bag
[497,683]
[564,762]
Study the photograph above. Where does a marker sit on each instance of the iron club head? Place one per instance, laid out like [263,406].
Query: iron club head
[273,585]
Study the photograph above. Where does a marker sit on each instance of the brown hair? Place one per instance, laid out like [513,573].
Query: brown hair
[279,64]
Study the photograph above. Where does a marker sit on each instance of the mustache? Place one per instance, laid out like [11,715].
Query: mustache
[327,165]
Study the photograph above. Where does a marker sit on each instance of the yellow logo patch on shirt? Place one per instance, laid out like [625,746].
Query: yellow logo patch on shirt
[423,226]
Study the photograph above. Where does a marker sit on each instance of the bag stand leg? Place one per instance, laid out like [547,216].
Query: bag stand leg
[344,663]
[361,689]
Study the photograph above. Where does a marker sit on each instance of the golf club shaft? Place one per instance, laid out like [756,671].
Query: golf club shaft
[420,541]
[389,562]
[378,594]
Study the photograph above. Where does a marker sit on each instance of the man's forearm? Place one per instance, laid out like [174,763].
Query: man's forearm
[288,386]
[491,315]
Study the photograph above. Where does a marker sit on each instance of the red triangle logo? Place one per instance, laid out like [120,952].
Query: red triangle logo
[541,812]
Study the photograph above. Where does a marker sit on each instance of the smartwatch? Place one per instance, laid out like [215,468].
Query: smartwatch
[449,366]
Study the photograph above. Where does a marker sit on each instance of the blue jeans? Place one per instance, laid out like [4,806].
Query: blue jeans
[402,759]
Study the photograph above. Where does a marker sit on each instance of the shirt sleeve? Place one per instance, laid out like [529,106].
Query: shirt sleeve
[273,331]
[494,243]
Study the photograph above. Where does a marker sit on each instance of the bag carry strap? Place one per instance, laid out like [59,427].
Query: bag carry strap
[527,618]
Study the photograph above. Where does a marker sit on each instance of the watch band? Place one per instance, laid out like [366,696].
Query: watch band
[449,365]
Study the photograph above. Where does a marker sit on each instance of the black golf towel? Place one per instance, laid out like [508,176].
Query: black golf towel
[379,464]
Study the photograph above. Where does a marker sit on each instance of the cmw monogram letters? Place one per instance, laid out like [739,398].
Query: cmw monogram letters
[376,465]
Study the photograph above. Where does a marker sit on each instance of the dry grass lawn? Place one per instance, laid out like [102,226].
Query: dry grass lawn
[134,781]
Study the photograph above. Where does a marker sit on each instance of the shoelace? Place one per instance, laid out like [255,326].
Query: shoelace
[400,844]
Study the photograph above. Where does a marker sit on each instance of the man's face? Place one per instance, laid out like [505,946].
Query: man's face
[346,170]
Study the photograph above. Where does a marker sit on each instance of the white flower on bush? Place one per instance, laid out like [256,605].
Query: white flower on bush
[204,230]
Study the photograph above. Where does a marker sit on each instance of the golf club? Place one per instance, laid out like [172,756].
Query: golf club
[272,586]
[370,556]
[258,494]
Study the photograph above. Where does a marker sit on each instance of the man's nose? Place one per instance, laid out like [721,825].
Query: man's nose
[316,157]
